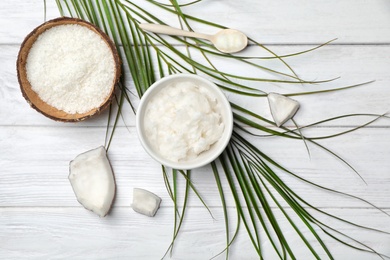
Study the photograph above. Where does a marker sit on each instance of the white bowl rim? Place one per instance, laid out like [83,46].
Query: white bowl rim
[222,143]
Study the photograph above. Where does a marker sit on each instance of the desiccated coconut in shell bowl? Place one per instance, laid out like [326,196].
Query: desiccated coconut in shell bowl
[34,99]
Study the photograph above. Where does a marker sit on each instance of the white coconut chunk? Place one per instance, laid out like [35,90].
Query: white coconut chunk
[93,181]
[282,108]
[145,202]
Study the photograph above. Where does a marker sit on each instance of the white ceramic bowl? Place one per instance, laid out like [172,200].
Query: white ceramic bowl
[205,157]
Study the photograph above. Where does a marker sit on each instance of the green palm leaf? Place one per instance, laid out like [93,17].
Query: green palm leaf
[252,176]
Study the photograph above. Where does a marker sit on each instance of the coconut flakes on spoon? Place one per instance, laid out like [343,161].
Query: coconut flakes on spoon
[93,181]
[282,108]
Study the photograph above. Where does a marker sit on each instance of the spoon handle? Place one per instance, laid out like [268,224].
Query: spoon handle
[164,29]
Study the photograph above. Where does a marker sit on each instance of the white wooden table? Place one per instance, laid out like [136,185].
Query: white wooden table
[41,219]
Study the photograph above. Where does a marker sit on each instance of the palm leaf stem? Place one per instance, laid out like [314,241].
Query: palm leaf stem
[257,154]
[178,222]
[287,217]
[226,167]
[290,196]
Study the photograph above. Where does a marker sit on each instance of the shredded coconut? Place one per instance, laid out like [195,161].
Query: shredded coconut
[182,120]
[71,68]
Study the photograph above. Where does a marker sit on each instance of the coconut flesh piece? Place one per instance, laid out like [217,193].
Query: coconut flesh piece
[145,202]
[282,108]
[93,181]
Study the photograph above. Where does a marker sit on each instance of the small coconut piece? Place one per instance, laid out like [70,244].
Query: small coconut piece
[145,202]
[282,108]
[93,181]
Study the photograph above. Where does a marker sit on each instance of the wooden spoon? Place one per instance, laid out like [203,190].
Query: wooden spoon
[226,40]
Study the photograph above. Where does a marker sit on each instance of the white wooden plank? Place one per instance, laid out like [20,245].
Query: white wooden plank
[303,21]
[267,21]
[19,18]
[36,233]
[354,64]
[38,211]
[35,166]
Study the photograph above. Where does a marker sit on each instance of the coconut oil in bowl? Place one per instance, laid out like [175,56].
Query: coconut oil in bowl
[184,121]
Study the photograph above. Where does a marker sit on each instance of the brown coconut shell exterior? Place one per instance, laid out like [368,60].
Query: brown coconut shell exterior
[32,97]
